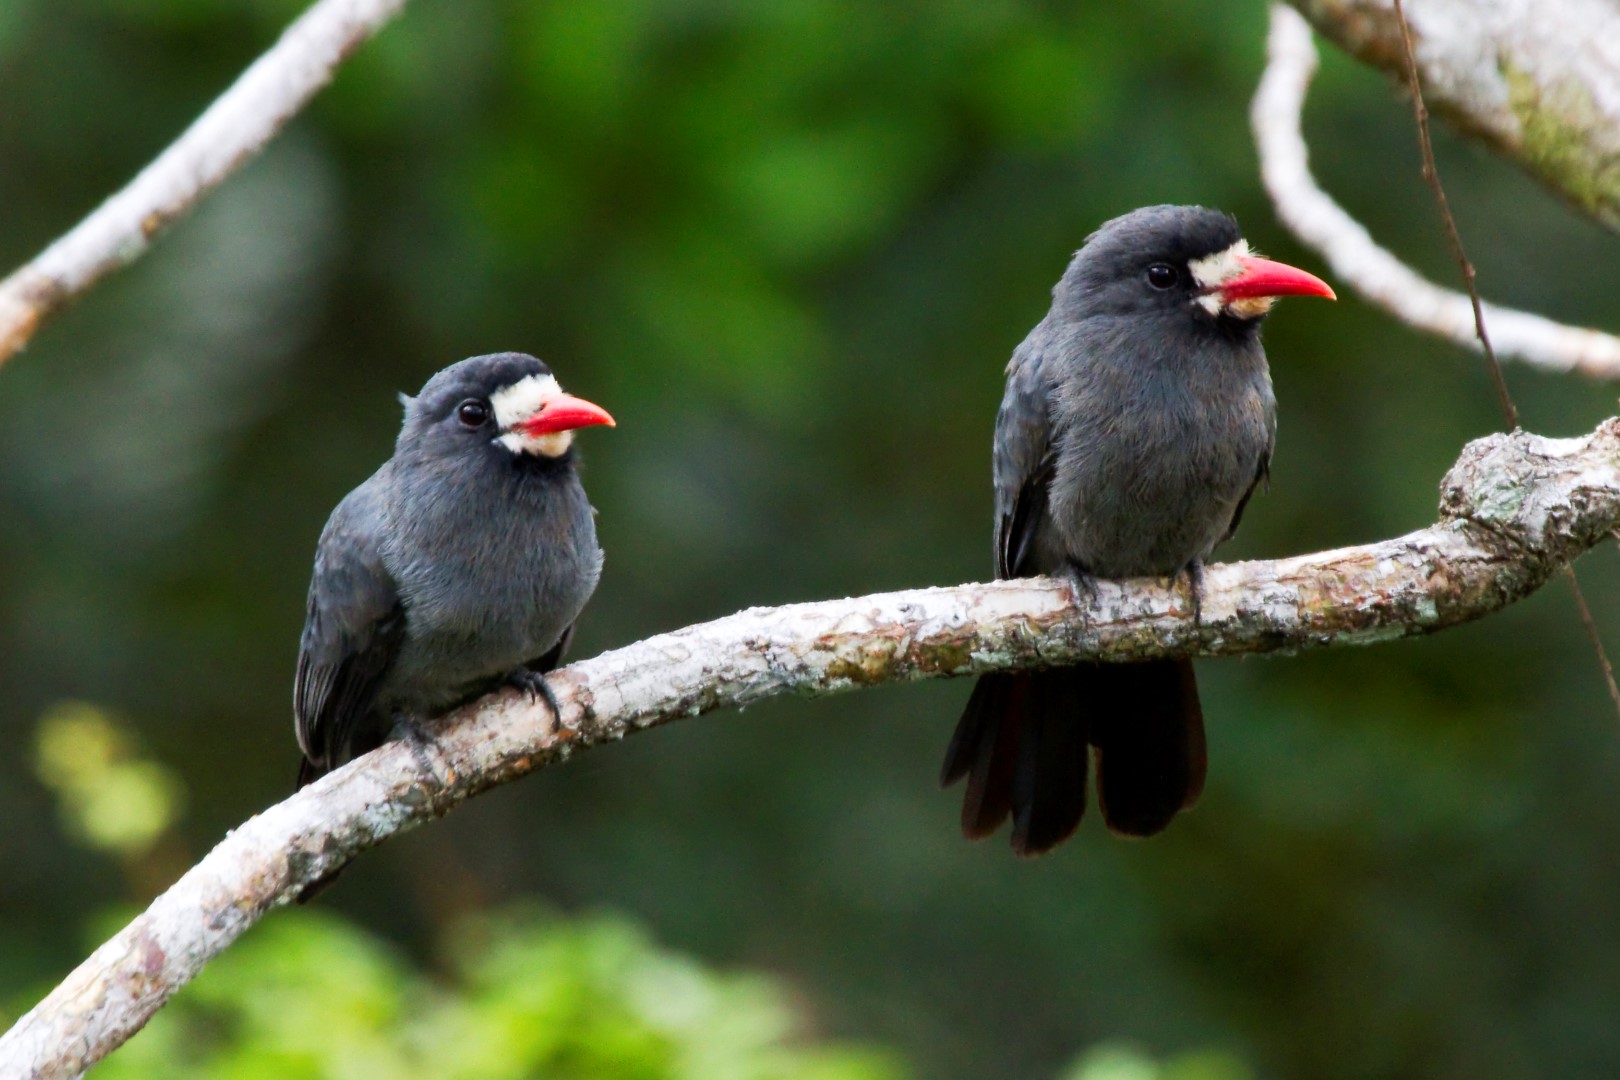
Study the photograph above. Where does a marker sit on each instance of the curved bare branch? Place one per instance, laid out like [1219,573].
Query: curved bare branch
[230,133]
[1514,509]
[1537,80]
[1357,259]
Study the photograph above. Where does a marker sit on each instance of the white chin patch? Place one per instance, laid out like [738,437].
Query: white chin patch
[555,444]
[1250,307]
[520,401]
[1213,271]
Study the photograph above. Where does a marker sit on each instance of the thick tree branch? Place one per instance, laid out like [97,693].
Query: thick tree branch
[233,129]
[1513,509]
[1537,80]
[1378,276]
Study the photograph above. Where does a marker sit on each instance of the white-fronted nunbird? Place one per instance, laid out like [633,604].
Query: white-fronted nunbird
[1138,419]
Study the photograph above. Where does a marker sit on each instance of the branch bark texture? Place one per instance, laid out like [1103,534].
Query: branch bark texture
[231,132]
[1357,259]
[1538,80]
[1513,510]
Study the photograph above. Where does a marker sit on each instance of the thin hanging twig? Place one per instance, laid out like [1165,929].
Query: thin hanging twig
[1510,412]
[1431,175]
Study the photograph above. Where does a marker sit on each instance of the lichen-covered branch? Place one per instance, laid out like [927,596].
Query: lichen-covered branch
[1513,510]
[1357,259]
[233,129]
[1537,80]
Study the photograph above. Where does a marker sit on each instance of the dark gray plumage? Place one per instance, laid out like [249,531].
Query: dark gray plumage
[1138,419]
[461,564]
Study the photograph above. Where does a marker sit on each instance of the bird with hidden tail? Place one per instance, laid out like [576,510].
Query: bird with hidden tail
[1138,419]
[458,567]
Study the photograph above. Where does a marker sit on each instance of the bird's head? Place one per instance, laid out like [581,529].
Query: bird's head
[1177,259]
[506,400]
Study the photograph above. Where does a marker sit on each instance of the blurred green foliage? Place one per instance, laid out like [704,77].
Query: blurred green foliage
[111,798]
[525,995]
[790,245]
[517,993]
[1117,1062]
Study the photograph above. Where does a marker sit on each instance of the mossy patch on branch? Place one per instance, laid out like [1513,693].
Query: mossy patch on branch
[1567,140]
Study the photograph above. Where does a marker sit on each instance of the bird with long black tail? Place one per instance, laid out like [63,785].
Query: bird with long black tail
[459,566]
[1138,420]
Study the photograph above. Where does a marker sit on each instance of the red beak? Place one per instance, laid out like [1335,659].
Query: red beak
[564,413]
[1262,277]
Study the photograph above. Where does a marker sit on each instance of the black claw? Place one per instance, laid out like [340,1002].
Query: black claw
[1195,589]
[1084,583]
[535,685]
[409,732]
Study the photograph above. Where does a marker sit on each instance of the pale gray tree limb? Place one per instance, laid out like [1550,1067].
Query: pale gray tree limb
[1357,259]
[231,132]
[1537,80]
[1513,510]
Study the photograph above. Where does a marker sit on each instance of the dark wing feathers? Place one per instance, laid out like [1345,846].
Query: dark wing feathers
[1022,461]
[1262,475]
[352,630]
[1015,530]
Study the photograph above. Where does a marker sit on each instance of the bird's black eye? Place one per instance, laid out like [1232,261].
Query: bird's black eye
[1162,275]
[472,412]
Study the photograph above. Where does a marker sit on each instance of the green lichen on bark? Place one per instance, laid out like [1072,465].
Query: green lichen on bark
[1494,499]
[945,658]
[1567,141]
[1489,484]
[1557,132]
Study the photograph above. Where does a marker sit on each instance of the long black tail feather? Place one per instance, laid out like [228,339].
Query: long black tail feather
[1149,735]
[1022,745]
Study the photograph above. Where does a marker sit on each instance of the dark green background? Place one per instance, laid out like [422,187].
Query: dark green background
[790,246]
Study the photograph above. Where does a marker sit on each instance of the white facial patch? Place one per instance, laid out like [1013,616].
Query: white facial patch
[1213,271]
[522,399]
[516,403]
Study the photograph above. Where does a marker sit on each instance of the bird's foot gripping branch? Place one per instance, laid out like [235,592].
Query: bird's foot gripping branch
[1513,509]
